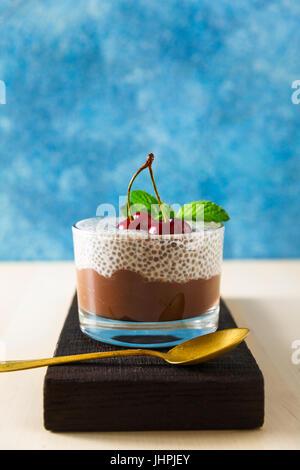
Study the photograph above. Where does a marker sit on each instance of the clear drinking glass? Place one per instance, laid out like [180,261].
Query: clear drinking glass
[137,289]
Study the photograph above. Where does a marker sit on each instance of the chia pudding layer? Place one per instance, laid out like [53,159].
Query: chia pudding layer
[134,276]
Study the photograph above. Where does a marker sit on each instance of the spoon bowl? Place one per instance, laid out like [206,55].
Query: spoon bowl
[196,350]
[207,347]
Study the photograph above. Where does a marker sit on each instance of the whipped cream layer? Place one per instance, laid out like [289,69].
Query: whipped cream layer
[99,245]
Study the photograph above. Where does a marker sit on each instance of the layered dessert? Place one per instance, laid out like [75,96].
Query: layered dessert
[150,276]
[136,276]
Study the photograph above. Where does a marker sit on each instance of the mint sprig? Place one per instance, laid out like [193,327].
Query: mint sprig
[197,210]
[203,210]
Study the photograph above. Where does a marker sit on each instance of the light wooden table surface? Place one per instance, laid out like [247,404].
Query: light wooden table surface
[262,295]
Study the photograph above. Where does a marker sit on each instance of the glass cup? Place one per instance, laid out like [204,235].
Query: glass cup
[137,289]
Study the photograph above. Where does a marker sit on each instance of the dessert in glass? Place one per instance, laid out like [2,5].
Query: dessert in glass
[148,282]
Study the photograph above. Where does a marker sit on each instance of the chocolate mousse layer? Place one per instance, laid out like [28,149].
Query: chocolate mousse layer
[127,296]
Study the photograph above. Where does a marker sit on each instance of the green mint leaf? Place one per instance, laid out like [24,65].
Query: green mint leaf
[212,212]
[141,197]
[141,201]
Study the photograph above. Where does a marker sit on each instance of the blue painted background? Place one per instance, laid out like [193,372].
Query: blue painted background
[93,86]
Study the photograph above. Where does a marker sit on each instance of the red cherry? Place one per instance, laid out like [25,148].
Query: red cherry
[156,228]
[179,226]
[141,221]
[124,224]
[174,226]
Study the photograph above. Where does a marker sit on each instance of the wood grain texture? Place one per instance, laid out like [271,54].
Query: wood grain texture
[144,393]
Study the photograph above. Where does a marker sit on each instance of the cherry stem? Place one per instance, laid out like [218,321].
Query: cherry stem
[147,164]
[163,211]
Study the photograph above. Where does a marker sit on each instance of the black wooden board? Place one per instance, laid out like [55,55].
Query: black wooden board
[144,393]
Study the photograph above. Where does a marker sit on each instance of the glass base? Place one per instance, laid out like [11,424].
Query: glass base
[148,334]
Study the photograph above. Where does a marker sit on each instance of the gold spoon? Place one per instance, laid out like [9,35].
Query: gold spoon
[193,351]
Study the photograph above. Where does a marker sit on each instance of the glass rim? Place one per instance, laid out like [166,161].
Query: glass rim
[141,233]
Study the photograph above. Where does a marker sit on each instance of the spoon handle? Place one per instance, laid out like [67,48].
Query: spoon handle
[10,366]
